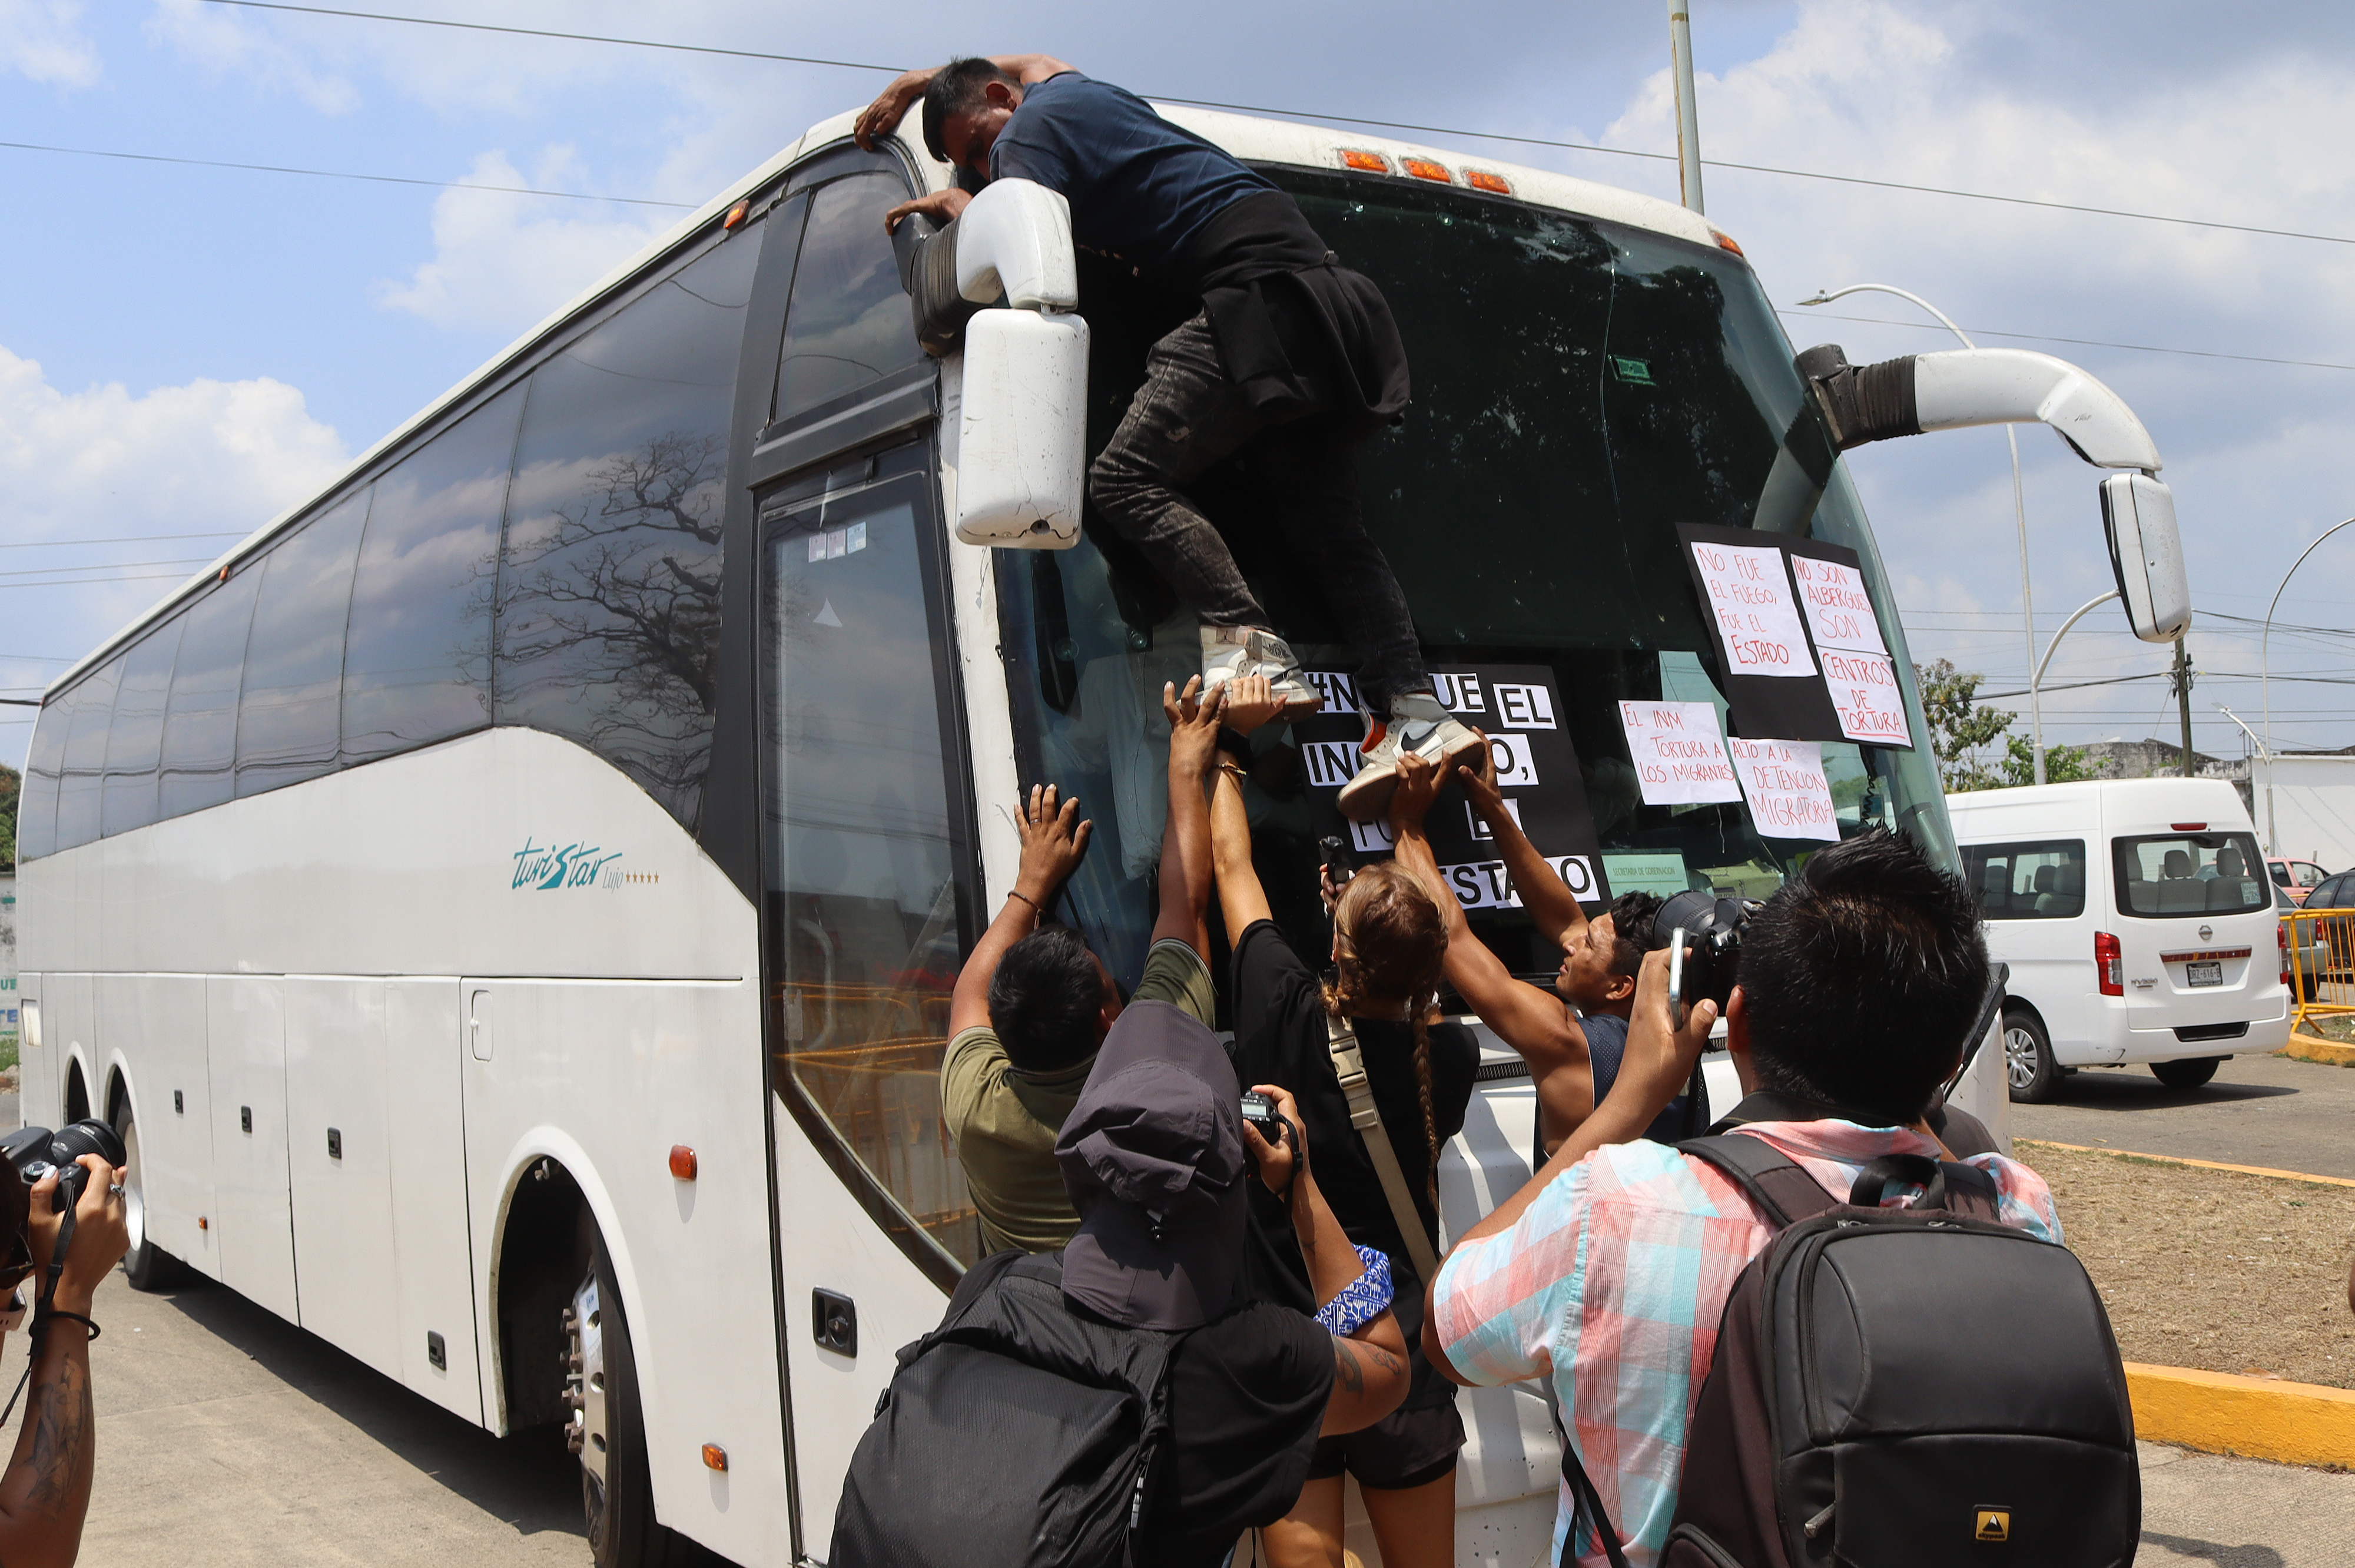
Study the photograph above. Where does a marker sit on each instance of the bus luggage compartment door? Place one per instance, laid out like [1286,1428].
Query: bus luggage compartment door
[245,1046]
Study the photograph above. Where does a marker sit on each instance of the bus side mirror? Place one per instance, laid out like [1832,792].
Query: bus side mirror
[2146,555]
[1022,430]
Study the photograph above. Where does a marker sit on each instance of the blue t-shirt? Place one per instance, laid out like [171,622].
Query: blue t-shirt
[1607,1048]
[1139,186]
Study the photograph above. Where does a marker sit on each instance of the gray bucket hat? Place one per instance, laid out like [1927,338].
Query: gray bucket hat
[1153,1156]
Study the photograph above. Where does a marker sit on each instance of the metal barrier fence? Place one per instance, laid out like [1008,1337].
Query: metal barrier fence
[2320,958]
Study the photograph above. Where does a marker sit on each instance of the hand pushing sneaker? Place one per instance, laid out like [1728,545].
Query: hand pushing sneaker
[1417,724]
[1230,653]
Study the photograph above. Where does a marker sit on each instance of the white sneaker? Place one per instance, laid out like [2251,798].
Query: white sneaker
[1418,724]
[1229,652]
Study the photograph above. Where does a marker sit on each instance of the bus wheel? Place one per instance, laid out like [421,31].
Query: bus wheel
[607,1431]
[146,1265]
[2027,1066]
[2188,1073]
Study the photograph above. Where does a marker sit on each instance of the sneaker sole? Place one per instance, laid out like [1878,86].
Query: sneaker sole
[1366,797]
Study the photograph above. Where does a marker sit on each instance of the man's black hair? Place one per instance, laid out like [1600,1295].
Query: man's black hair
[1045,999]
[1631,930]
[959,87]
[1862,975]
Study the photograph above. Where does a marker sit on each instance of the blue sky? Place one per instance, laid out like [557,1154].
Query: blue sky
[188,351]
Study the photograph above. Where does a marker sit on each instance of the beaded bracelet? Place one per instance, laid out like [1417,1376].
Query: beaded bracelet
[1361,1300]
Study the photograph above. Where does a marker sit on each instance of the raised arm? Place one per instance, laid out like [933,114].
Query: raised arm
[882,117]
[1658,1063]
[1186,840]
[1535,1023]
[1241,899]
[1054,842]
[1544,893]
[1370,1376]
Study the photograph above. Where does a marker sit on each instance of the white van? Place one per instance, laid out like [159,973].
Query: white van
[2138,922]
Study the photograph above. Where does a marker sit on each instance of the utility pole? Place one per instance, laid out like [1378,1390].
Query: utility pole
[1687,118]
[2183,673]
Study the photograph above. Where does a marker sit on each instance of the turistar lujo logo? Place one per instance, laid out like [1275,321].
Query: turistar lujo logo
[546,867]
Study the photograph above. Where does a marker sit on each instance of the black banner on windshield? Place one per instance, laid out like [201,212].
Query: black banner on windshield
[1519,707]
[1767,666]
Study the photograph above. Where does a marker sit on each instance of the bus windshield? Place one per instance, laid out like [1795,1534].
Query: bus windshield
[1580,388]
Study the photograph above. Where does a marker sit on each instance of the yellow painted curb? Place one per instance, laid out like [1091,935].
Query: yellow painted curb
[2313,1048]
[2262,1418]
[2201,1164]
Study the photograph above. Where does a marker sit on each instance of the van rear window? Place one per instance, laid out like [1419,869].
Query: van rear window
[2169,875]
[2043,881]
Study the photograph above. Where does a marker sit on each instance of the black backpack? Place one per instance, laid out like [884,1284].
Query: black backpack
[1920,1386]
[1017,1434]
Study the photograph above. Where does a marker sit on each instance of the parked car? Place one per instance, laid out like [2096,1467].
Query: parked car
[2309,971]
[2137,923]
[2297,878]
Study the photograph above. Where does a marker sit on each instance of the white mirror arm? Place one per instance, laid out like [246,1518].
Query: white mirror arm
[1959,388]
[1015,239]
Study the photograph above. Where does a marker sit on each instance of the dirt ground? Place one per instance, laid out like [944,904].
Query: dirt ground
[2211,1268]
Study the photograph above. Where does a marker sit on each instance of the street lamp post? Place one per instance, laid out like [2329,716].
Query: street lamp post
[2265,678]
[2035,679]
[2019,509]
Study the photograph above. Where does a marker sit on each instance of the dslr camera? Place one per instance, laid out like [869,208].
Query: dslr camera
[1703,935]
[36,1151]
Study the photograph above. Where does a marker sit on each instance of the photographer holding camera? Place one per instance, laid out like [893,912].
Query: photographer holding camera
[65,1231]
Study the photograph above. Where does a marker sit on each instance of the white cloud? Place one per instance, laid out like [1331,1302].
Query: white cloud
[223,43]
[103,463]
[39,41]
[502,261]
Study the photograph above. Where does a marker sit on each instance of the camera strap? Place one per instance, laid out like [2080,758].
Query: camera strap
[1350,1068]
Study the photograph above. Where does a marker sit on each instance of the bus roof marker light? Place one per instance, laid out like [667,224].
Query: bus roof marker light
[736,214]
[1725,242]
[1481,179]
[1366,162]
[1424,169]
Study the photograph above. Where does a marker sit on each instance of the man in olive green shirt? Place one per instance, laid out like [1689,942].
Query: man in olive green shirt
[1032,1003]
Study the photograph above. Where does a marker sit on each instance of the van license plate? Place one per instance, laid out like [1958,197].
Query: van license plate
[2209,974]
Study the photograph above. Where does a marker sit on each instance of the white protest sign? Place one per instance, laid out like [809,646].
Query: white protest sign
[1789,796]
[1839,612]
[1865,692]
[1680,755]
[1750,601]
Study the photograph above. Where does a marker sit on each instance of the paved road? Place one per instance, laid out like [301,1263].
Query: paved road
[228,1438]
[2258,1110]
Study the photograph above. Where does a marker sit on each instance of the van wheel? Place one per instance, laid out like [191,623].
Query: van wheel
[607,1430]
[2188,1073]
[2027,1066]
[146,1265]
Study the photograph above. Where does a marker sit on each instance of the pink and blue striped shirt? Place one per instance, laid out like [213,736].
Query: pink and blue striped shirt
[1613,1282]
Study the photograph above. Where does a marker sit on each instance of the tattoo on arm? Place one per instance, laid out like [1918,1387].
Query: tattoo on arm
[1382,1359]
[62,1419]
[1345,1368]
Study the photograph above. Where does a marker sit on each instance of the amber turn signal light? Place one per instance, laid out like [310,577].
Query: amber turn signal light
[1725,242]
[1424,169]
[736,213]
[1481,179]
[682,1163]
[715,1457]
[1371,163]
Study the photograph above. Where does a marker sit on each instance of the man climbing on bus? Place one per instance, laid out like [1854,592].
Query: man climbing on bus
[1032,1003]
[1291,361]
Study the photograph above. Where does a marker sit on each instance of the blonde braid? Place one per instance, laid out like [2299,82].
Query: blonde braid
[1422,1086]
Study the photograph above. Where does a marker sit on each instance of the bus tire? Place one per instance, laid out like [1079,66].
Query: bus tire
[608,1428]
[2190,1072]
[146,1265]
[2029,1072]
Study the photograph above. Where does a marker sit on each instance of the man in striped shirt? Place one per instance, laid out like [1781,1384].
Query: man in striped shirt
[1608,1272]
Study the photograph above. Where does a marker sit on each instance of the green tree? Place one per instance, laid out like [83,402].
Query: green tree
[10,783]
[1959,729]
[2063,764]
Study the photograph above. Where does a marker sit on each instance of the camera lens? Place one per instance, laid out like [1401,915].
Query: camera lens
[88,1136]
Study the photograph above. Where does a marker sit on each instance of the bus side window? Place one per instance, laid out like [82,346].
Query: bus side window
[608,609]
[292,691]
[37,801]
[417,660]
[82,779]
[135,739]
[200,721]
[847,323]
[862,864]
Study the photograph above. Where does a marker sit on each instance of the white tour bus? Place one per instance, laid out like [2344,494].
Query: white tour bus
[2139,921]
[510,903]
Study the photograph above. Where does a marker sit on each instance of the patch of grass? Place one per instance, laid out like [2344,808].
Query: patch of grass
[7,1053]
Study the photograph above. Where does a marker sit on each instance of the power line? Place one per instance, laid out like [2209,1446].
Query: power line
[112,567]
[127,538]
[94,581]
[335,174]
[1336,119]
[2083,342]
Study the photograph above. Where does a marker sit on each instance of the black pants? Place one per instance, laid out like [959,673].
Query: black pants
[1189,417]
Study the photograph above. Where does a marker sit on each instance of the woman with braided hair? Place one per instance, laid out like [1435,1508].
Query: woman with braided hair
[1380,997]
